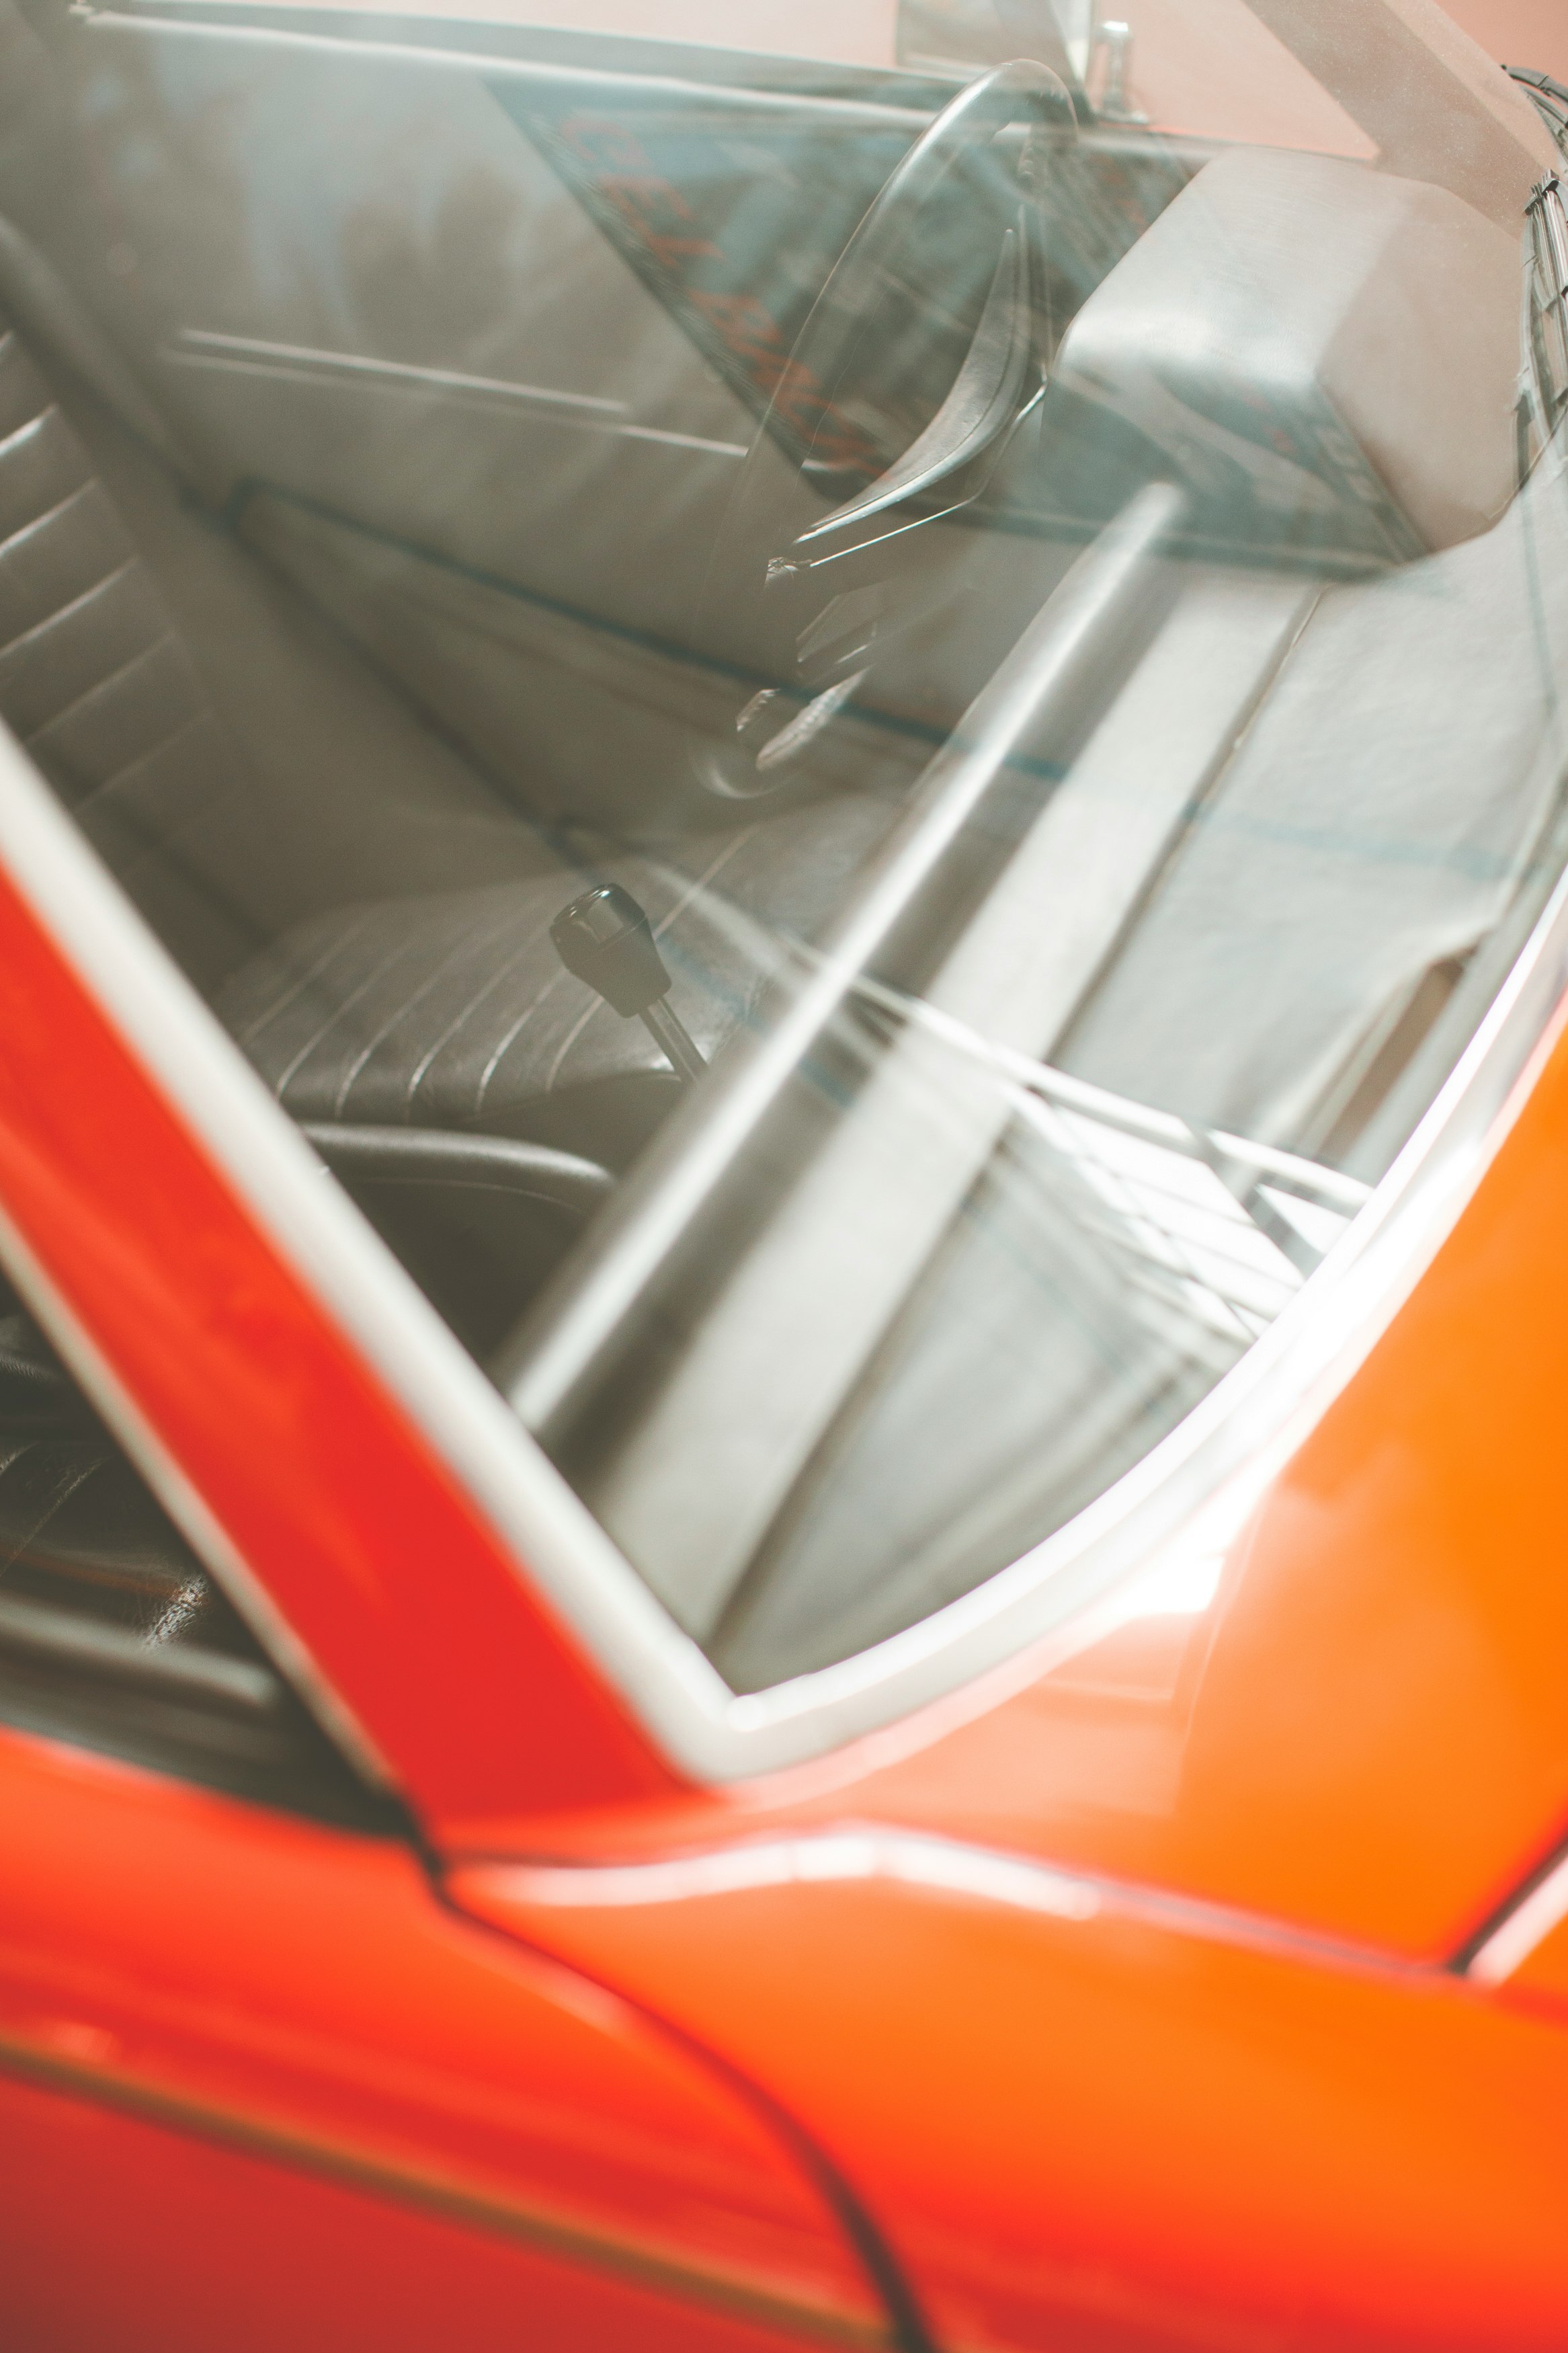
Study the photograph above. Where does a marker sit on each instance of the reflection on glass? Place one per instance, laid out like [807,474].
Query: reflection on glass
[1015,539]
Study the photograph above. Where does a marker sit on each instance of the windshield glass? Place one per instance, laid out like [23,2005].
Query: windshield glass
[856,703]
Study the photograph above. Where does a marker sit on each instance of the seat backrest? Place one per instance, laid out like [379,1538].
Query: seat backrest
[98,685]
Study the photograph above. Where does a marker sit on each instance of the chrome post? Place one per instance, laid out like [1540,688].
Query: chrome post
[1115,41]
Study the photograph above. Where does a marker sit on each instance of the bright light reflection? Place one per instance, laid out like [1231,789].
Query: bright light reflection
[1182,1587]
[915,1861]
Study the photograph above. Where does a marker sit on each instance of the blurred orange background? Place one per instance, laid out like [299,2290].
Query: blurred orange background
[1518,32]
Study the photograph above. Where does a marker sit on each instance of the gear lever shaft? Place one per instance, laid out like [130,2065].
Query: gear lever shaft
[606,938]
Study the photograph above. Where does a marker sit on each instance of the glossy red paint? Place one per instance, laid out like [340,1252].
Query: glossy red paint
[300,1996]
[194,2246]
[1117,2132]
[407,1602]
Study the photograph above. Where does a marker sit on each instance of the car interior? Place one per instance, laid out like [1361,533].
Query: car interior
[449,471]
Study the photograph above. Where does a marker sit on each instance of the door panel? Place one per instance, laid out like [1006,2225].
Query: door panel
[298,1997]
[118,2233]
[1092,2118]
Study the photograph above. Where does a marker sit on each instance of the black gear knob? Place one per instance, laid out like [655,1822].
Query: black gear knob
[606,938]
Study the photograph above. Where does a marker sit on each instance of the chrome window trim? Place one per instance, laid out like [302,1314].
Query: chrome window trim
[873,1855]
[499,64]
[1523,1929]
[1546,302]
[1192,1491]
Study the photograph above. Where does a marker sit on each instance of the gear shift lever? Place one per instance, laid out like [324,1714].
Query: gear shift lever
[606,940]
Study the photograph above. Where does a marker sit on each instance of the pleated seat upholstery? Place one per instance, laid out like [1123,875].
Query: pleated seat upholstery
[454,1010]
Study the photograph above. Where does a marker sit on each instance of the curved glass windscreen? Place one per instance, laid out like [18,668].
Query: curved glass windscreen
[855,712]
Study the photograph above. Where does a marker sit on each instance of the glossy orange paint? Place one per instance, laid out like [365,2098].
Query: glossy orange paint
[313,1471]
[1123,2131]
[1365,1733]
[235,1978]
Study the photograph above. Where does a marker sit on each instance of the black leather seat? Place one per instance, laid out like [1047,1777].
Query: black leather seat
[112,1633]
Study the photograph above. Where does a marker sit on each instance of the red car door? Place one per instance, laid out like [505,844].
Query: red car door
[257,2083]
[259,2086]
